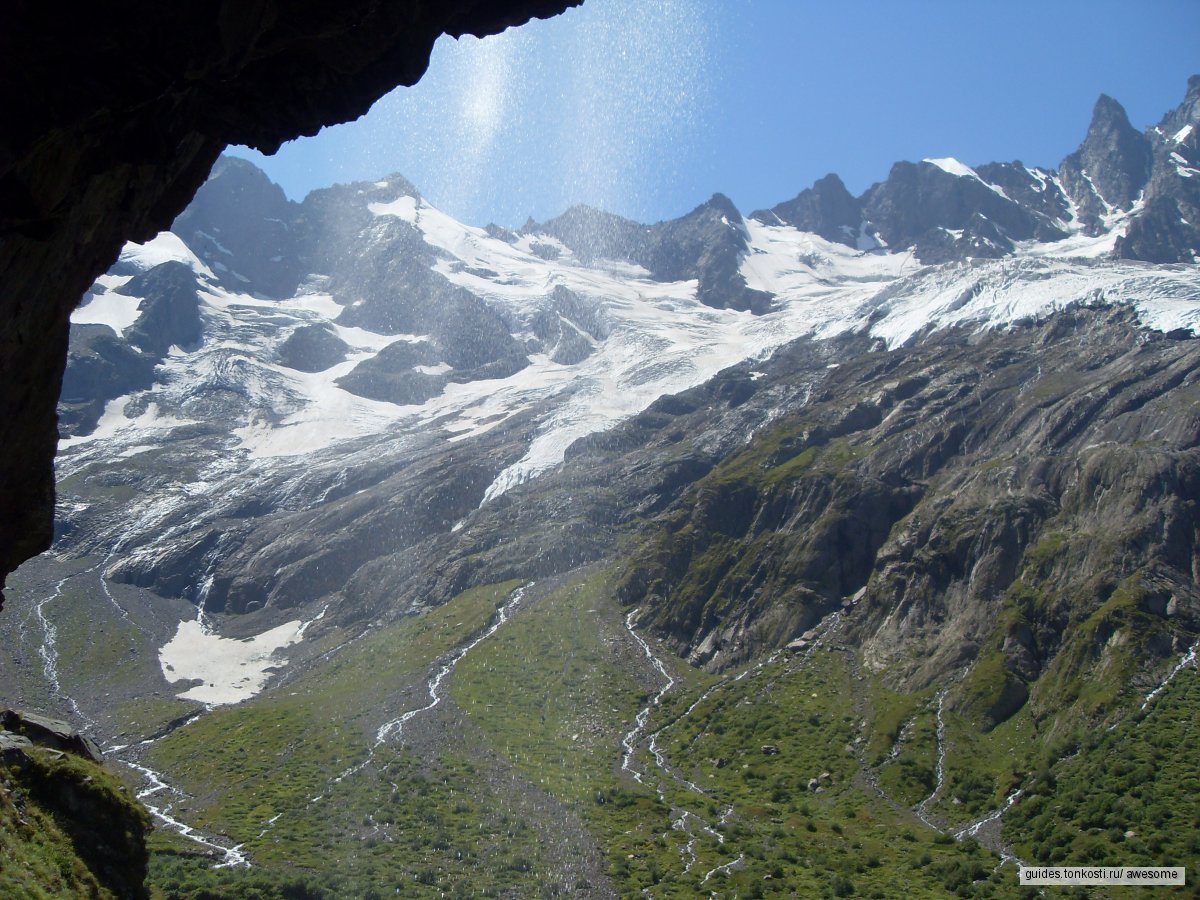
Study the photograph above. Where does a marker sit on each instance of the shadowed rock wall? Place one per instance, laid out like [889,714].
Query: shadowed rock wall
[114,114]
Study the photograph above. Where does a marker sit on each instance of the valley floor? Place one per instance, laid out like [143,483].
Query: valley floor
[556,750]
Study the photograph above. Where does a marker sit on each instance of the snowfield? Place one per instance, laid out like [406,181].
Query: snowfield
[661,339]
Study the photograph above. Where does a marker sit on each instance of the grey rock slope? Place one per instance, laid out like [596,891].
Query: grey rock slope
[1023,506]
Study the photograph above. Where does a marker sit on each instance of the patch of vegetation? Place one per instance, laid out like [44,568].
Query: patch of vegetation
[190,876]
[1093,669]
[286,776]
[68,828]
[985,690]
[981,769]
[552,693]
[911,775]
[1129,796]
[890,712]
[1054,385]
[768,757]
[143,717]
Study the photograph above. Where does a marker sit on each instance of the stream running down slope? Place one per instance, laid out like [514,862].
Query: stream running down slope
[682,819]
[391,730]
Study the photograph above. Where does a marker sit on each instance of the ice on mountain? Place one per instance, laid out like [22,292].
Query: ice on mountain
[403,207]
[163,247]
[658,338]
[953,167]
[117,311]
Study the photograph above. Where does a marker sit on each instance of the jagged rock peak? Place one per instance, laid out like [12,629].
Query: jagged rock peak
[1111,166]
[227,165]
[1186,113]
[827,208]
[394,185]
[1167,227]
[722,204]
[1192,97]
[240,224]
[1108,111]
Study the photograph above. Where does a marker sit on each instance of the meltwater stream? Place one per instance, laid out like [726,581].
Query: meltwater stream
[633,738]
[154,786]
[1189,659]
[922,808]
[393,728]
[48,650]
[630,740]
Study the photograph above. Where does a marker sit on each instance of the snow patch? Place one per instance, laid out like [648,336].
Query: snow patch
[953,167]
[166,246]
[117,311]
[403,207]
[230,670]
[115,424]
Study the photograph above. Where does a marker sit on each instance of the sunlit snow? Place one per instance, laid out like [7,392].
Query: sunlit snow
[954,167]
[229,670]
[117,311]
[166,246]
[659,338]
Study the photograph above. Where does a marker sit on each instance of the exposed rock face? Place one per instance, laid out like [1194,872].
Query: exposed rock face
[101,367]
[393,374]
[115,117]
[923,205]
[826,208]
[168,314]
[1010,503]
[1111,166]
[240,224]
[312,348]
[1168,228]
[594,234]
[49,733]
[707,244]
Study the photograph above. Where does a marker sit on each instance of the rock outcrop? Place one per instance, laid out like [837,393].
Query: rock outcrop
[1021,504]
[115,117]
[59,805]
[1168,227]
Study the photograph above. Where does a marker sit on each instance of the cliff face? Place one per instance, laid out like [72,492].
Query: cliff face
[115,117]
[1021,505]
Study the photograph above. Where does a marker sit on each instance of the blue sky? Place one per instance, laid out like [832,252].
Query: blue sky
[646,107]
